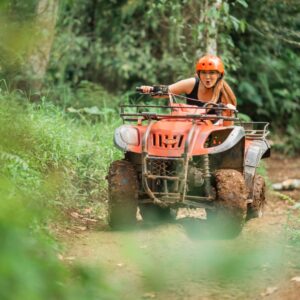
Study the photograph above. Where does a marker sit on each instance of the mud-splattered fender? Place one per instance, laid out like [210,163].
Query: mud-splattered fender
[257,150]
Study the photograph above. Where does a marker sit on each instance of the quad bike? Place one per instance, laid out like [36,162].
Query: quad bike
[184,155]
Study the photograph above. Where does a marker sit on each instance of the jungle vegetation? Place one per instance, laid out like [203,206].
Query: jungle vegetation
[87,49]
[65,65]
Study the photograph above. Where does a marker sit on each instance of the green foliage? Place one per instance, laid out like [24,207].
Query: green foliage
[125,43]
[121,44]
[42,142]
[48,161]
[269,87]
[85,95]
[52,158]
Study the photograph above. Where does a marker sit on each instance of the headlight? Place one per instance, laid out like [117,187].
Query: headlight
[129,135]
[126,135]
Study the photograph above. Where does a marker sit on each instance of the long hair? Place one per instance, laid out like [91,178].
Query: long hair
[224,90]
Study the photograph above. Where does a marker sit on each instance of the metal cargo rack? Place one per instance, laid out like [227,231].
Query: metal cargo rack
[256,130]
[134,113]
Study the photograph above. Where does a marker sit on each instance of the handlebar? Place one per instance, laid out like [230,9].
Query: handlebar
[161,90]
[156,90]
[139,89]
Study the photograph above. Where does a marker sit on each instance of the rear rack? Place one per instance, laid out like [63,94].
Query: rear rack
[256,130]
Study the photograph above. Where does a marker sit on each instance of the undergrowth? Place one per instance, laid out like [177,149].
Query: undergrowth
[42,143]
[50,161]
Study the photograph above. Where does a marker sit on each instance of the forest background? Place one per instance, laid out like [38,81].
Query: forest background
[64,68]
[79,50]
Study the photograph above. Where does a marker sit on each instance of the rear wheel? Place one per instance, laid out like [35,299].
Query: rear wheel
[122,194]
[154,213]
[255,209]
[229,215]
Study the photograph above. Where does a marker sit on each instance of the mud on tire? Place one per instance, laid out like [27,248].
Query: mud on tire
[122,194]
[255,209]
[229,216]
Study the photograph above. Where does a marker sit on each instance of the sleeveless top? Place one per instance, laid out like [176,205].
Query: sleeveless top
[194,95]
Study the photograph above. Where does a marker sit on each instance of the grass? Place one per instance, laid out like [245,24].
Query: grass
[42,143]
[49,160]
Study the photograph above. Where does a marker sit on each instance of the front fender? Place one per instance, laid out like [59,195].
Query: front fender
[233,138]
[257,150]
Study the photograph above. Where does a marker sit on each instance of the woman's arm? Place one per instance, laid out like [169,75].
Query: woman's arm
[184,86]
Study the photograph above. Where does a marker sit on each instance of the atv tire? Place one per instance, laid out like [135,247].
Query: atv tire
[122,195]
[255,209]
[154,213]
[228,218]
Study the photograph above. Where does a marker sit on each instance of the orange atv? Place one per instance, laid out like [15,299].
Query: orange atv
[181,155]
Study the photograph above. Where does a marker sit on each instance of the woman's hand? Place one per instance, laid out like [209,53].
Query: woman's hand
[231,106]
[146,89]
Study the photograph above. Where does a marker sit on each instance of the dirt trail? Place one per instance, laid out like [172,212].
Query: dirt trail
[171,261]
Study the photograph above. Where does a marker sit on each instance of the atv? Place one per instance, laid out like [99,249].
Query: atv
[181,155]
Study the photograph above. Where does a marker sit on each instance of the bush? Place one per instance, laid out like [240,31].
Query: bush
[41,142]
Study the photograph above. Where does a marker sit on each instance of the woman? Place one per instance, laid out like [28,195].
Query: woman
[208,85]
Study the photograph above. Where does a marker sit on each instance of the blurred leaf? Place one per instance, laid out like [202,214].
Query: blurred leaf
[244,117]
[243,3]
[92,110]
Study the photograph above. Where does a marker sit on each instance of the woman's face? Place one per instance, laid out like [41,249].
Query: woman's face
[209,78]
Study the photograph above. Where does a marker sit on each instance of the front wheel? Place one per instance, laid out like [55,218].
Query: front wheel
[122,194]
[255,209]
[229,215]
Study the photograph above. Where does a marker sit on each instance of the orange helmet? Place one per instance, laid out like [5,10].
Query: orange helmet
[210,63]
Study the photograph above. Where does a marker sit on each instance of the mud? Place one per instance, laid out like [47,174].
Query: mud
[175,261]
[255,209]
[231,190]
[122,194]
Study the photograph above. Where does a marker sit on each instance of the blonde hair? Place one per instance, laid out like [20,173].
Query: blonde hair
[224,90]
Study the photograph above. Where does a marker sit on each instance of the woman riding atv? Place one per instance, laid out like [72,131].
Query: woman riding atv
[207,86]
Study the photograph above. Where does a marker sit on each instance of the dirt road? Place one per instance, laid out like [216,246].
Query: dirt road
[173,261]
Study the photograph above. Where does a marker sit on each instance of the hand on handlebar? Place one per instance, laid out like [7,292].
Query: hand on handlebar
[231,106]
[156,90]
[146,89]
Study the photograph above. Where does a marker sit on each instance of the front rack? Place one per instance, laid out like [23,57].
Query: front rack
[202,110]
[133,113]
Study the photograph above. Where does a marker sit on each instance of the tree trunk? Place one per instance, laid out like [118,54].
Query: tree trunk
[208,33]
[38,59]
